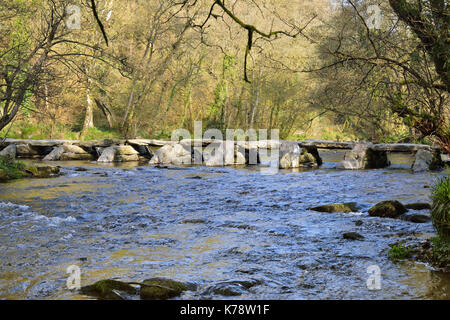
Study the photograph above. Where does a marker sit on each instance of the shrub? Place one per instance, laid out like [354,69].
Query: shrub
[440,253]
[11,169]
[440,211]
[400,253]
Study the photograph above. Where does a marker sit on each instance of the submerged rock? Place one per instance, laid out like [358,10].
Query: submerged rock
[232,288]
[418,218]
[104,289]
[352,236]
[418,206]
[387,209]
[161,289]
[338,207]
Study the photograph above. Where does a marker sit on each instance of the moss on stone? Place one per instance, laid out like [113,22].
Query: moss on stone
[387,209]
[338,207]
[103,289]
[161,289]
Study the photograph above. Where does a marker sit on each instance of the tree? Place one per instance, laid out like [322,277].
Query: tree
[430,21]
[380,75]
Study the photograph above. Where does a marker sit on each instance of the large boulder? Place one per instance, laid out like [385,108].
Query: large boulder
[387,209]
[292,156]
[10,151]
[42,171]
[227,153]
[68,152]
[123,153]
[289,155]
[219,154]
[309,157]
[363,156]
[27,151]
[246,155]
[338,207]
[161,289]
[107,155]
[425,160]
[107,289]
[176,154]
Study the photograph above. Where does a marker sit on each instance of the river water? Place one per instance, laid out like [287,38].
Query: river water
[212,226]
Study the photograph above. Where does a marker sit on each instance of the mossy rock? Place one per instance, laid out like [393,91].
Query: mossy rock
[103,289]
[418,206]
[161,289]
[338,207]
[308,158]
[387,209]
[42,171]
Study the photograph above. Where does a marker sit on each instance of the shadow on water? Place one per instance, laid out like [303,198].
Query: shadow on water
[209,225]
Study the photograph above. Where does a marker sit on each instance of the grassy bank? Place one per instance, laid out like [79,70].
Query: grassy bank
[440,214]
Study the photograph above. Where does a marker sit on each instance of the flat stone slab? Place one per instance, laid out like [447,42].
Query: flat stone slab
[104,143]
[325,144]
[403,147]
[262,144]
[38,143]
[149,142]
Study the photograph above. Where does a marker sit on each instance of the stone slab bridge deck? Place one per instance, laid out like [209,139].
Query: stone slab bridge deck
[292,153]
[319,144]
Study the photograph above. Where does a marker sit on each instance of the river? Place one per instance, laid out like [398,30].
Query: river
[206,226]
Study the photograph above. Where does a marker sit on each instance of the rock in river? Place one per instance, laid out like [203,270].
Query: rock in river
[232,288]
[338,207]
[387,209]
[105,289]
[161,289]
[364,156]
[177,154]
[10,151]
[418,206]
[352,236]
[418,218]
[289,155]
[43,171]
[426,160]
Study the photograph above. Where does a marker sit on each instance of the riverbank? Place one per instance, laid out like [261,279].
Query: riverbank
[11,169]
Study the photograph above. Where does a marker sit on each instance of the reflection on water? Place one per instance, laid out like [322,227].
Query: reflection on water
[206,225]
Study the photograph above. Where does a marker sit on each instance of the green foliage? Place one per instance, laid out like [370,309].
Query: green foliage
[96,134]
[440,211]
[162,134]
[440,253]
[400,252]
[297,137]
[11,169]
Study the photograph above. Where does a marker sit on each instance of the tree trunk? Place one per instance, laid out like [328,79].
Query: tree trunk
[89,115]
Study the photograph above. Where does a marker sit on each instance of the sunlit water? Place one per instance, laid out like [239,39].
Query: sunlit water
[208,225]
